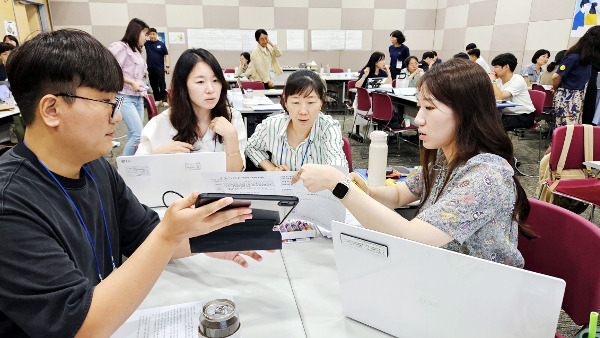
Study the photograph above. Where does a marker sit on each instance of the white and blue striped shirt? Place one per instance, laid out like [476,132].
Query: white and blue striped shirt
[324,144]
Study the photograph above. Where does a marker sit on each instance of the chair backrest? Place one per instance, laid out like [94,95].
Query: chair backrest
[363,100]
[229,70]
[336,70]
[348,152]
[548,103]
[567,247]
[394,83]
[252,85]
[351,84]
[537,98]
[151,106]
[576,155]
[382,107]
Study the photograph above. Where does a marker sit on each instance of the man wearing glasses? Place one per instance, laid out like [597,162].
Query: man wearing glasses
[66,216]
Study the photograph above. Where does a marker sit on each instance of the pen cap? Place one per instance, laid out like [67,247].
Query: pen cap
[219,319]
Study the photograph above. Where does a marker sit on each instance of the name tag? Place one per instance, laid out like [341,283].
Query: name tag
[158,47]
[398,64]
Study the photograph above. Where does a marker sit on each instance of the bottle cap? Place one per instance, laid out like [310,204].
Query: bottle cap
[378,136]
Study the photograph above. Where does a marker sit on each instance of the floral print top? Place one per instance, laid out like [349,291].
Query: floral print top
[475,208]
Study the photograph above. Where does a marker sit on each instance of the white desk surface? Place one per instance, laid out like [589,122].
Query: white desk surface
[11,112]
[340,77]
[270,92]
[593,164]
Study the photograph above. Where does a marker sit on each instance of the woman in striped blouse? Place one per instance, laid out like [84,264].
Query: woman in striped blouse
[303,135]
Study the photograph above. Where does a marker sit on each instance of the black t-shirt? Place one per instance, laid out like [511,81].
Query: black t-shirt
[48,266]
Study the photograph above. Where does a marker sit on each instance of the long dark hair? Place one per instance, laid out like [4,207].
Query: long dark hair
[588,47]
[375,57]
[10,37]
[480,129]
[557,59]
[183,118]
[132,34]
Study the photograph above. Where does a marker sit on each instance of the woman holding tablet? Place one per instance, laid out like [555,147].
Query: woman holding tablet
[303,135]
[471,202]
[376,67]
[199,118]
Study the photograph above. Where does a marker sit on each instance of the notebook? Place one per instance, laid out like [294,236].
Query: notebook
[409,289]
[150,176]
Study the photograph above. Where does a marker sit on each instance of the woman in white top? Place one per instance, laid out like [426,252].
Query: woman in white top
[303,135]
[199,118]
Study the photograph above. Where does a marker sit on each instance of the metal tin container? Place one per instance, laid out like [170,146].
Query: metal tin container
[219,319]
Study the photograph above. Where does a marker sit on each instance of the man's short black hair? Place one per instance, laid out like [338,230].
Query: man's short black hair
[505,59]
[428,55]
[461,55]
[153,30]
[475,51]
[60,62]
[471,46]
[434,53]
[5,47]
[258,33]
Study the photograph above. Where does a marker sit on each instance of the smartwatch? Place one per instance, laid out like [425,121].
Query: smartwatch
[341,189]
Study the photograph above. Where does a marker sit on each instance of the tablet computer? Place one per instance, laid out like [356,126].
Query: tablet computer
[253,234]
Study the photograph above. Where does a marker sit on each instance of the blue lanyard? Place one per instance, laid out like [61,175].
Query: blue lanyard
[81,218]
[303,157]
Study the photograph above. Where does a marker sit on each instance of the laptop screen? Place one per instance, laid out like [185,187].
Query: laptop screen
[375,82]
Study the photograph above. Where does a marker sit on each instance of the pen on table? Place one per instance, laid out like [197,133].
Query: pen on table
[593,324]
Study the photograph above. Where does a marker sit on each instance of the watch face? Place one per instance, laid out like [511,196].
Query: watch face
[340,190]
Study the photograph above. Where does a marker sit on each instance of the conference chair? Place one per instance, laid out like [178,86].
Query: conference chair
[336,70]
[150,106]
[567,247]
[363,111]
[252,85]
[348,152]
[537,98]
[383,111]
[229,70]
[348,101]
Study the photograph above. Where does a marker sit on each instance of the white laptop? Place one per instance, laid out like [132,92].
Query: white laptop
[150,176]
[375,82]
[409,289]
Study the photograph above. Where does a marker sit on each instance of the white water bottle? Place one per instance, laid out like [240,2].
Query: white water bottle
[328,70]
[9,100]
[377,158]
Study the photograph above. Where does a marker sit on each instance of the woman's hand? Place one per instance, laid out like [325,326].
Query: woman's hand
[366,71]
[282,167]
[317,177]
[182,222]
[360,182]
[137,86]
[221,126]
[174,147]
[387,69]
[236,256]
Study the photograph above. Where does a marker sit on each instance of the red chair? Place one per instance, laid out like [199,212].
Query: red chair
[567,247]
[348,152]
[549,102]
[363,110]
[336,70]
[150,105]
[394,83]
[383,111]
[586,190]
[348,101]
[252,85]
[537,98]
[228,70]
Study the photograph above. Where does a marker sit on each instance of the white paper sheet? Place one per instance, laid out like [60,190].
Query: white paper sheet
[353,39]
[177,38]
[175,321]
[261,107]
[248,40]
[295,39]
[327,39]
[319,208]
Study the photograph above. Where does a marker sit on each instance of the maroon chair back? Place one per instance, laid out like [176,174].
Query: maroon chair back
[549,102]
[394,83]
[567,247]
[537,98]
[229,70]
[336,70]
[576,155]
[252,85]
[348,152]
[382,107]
[364,101]
[151,106]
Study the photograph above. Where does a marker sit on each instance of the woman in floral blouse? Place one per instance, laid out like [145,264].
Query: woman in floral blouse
[471,202]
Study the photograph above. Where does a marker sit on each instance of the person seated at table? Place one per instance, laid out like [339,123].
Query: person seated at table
[532,71]
[475,56]
[461,55]
[512,87]
[245,69]
[427,60]
[199,118]
[376,67]
[412,71]
[67,216]
[302,135]
[470,200]
[5,49]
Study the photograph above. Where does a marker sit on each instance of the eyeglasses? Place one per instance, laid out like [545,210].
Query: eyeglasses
[115,106]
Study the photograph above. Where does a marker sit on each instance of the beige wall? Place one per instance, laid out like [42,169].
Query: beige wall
[517,26]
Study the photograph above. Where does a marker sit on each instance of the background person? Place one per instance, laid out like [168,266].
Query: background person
[427,61]
[303,135]
[375,67]
[244,69]
[475,56]
[398,52]
[5,50]
[128,53]
[157,57]
[199,118]
[546,76]
[464,163]
[264,59]
[412,71]
[532,71]
[11,39]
